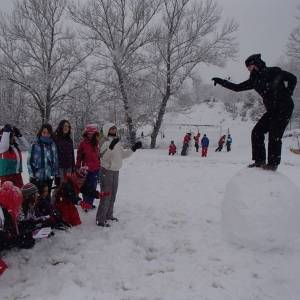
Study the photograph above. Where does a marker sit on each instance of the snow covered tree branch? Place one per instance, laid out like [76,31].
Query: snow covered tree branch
[188,36]
[39,53]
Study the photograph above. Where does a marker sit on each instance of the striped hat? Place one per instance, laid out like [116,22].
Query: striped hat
[28,190]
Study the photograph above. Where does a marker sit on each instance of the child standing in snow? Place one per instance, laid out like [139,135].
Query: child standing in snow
[228,142]
[42,161]
[172,148]
[196,139]
[112,155]
[204,145]
[186,142]
[221,143]
[88,156]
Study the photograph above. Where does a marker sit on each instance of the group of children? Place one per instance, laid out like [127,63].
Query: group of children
[222,141]
[204,144]
[186,143]
[33,210]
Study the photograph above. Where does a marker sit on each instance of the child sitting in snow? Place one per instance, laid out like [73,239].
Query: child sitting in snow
[67,196]
[172,148]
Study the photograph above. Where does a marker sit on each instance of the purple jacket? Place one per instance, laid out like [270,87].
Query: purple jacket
[65,151]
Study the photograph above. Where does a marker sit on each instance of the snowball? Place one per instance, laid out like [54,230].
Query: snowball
[261,210]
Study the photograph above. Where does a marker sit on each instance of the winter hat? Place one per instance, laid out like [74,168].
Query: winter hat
[28,190]
[91,129]
[107,127]
[256,60]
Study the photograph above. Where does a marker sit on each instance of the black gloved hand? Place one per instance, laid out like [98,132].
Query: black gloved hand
[113,143]
[136,146]
[217,80]
[17,132]
[7,128]
[57,181]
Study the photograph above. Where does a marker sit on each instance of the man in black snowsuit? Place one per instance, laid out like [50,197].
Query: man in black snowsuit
[276,88]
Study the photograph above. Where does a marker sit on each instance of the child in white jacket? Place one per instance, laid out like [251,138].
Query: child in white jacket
[112,154]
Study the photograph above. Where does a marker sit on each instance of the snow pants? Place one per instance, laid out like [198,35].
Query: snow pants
[219,149]
[184,149]
[92,180]
[273,123]
[204,151]
[109,183]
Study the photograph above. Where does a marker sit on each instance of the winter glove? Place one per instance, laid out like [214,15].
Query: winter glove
[57,181]
[33,180]
[41,233]
[62,226]
[25,241]
[17,132]
[217,80]
[113,143]
[7,128]
[136,146]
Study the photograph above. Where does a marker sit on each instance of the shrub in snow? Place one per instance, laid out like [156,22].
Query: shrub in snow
[261,210]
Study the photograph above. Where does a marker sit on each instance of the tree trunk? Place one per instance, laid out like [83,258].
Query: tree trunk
[128,118]
[159,120]
[163,104]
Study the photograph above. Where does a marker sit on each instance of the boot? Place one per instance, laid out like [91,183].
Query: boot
[257,164]
[270,167]
[113,219]
[102,224]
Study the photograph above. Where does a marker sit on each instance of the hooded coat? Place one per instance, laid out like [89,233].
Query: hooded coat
[112,159]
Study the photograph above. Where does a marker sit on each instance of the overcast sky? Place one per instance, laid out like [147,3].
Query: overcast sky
[264,27]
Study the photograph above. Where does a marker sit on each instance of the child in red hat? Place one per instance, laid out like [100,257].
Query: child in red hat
[88,156]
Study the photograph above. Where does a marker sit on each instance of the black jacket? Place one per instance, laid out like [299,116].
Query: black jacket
[270,84]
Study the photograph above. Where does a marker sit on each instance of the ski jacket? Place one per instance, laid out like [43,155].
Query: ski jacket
[88,155]
[172,148]
[10,155]
[112,159]
[196,138]
[204,142]
[42,161]
[221,141]
[269,83]
[229,141]
[186,139]
[65,153]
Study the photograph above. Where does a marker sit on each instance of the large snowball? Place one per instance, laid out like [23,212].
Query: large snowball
[261,210]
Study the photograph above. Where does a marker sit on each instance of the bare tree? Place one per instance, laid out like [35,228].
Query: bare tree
[39,53]
[294,42]
[120,29]
[188,37]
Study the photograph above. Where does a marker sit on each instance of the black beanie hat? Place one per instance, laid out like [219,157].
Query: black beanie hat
[28,190]
[256,60]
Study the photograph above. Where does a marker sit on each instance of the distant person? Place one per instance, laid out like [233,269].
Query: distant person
[276,87]
[186,143]
[204,145]
[228,142]
[221,143]
[196,139]
[172,148]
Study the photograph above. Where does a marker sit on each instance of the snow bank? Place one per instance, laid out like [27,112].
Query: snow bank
[261,210]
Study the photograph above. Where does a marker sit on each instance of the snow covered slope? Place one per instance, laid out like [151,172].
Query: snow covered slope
[168,244]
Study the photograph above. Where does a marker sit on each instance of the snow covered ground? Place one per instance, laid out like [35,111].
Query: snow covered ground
[168,244]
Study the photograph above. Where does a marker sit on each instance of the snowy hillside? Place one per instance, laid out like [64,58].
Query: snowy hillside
[169,242]
[197,118]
